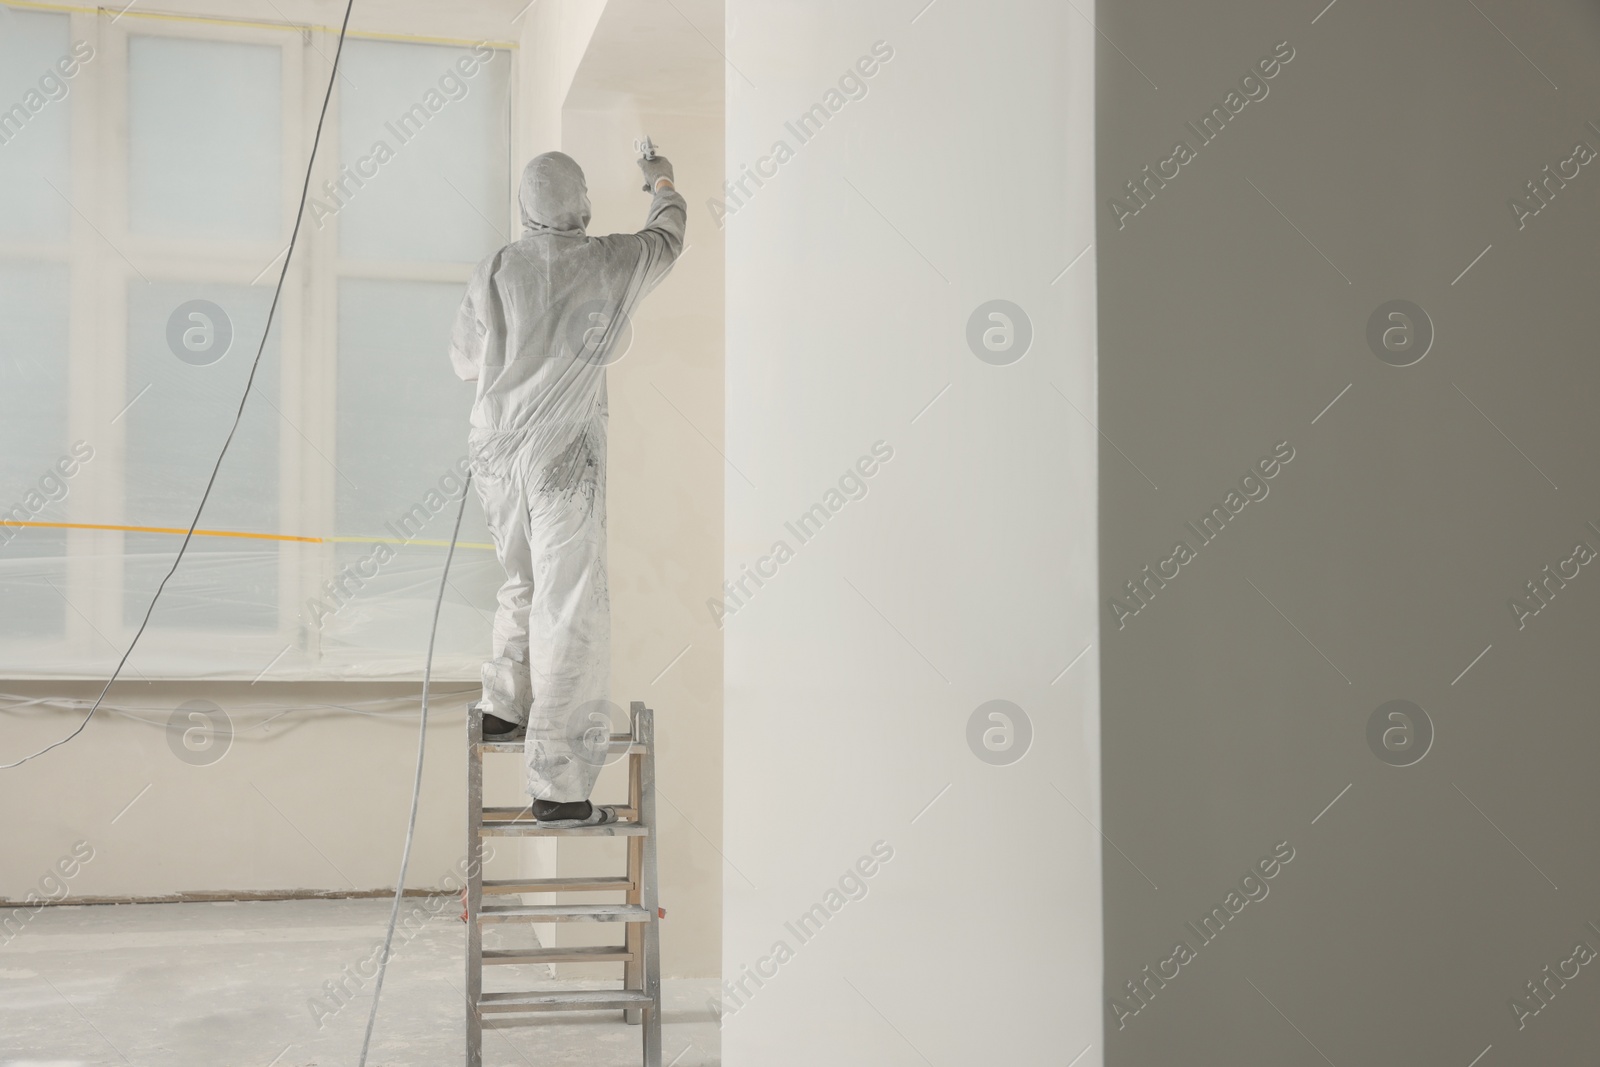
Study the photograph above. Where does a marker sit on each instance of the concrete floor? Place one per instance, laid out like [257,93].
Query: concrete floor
[244,985]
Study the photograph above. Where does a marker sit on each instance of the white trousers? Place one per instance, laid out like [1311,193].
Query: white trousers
[552,629]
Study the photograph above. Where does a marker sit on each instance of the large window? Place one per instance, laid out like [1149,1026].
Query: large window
[149,176]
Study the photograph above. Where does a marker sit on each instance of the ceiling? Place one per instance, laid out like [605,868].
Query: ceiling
[659,55]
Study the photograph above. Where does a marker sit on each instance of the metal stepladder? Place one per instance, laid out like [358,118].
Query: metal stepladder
[640,955]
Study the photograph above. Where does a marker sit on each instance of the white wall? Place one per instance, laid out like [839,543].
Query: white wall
[312,800]
[665,524]
[966,573]
[599,79]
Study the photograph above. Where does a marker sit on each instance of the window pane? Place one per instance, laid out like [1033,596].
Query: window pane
[33,440]
[35,127]
[180,410]
[423,148]
[204,138]
[402,411]
[402,435]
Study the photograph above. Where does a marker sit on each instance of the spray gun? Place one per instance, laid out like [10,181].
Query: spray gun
[647,150]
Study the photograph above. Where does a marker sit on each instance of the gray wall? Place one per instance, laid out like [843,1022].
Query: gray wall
[1233,309]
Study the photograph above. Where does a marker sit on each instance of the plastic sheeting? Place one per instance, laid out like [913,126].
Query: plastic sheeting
[137,261]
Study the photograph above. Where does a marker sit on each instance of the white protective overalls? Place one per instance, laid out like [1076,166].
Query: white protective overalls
[541,320]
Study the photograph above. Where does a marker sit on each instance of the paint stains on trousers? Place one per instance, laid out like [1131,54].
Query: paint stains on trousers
[553,621]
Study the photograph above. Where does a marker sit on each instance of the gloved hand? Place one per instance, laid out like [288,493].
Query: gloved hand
[654,169]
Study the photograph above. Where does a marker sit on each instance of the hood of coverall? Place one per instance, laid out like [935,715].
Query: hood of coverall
[554,197]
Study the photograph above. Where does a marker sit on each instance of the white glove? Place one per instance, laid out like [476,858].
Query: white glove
[654,170]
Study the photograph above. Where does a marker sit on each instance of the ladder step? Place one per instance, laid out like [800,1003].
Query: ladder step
[564,913]
[525,814]
[529,828]
[556,885]
[563,1000]
[573,954]
[621,744]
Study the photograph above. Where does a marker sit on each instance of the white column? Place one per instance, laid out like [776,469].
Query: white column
[948,164]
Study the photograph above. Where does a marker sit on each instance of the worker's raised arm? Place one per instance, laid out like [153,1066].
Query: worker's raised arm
[664,225]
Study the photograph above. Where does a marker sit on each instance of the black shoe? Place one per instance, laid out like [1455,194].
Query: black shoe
[572,814]
[495,726]
[546,810]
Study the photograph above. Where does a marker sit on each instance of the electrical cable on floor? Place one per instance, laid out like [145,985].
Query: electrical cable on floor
[277,294]
[416,786]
